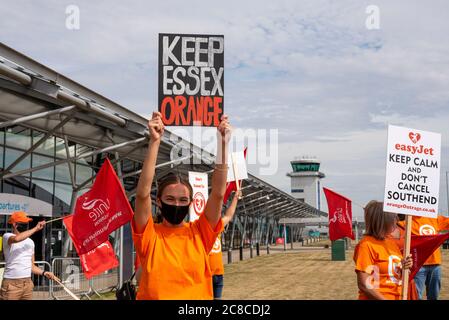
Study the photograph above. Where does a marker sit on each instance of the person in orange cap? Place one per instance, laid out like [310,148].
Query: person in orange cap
[18,250]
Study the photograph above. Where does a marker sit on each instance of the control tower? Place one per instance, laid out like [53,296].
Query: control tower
[305,180]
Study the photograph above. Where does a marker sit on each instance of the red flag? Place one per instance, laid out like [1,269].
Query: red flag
[340,215]
[232,186]
[101,210]
[422,247]
[96,261]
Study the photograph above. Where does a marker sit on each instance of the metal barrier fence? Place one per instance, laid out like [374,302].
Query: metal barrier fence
[70,272]
[42,286]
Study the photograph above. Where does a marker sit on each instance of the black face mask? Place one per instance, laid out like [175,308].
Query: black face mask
[174,214]
[22,227]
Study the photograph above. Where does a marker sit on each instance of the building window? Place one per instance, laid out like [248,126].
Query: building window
[12,155]
[297,190]
[46,173]
[300,167]
[18,137]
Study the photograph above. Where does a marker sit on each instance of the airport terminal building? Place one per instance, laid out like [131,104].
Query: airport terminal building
[56,133]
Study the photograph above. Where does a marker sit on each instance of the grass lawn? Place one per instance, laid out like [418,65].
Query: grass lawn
[302,275]
[307,274]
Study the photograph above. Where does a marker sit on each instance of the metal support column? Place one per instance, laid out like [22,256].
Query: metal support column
[285,237]
[126,243]
[232,240]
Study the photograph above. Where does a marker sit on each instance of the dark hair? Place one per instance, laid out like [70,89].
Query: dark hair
[378,222]
[172,178]
[158,218]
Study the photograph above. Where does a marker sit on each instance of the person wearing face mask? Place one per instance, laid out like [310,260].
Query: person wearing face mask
[18,250]
[174,254]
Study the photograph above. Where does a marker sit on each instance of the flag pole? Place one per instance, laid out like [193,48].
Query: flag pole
[60,218]
[234,169]
[66,289]
[406,273]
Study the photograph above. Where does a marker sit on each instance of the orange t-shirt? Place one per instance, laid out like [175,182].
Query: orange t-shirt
[382,260]
[175,263]
[216,258]
[422,226]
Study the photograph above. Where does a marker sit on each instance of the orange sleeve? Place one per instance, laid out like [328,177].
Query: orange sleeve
[443,223]
[363,257]
[142,240]
[208,235]
[222,226]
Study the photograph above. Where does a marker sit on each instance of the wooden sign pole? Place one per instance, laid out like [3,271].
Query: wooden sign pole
[234,169]
[406,273]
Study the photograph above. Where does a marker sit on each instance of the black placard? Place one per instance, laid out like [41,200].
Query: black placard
[191,79]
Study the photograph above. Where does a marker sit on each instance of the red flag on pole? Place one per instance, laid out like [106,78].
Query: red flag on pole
[96,261]
[101,210]
[421,249]
[340,215]
[232,186]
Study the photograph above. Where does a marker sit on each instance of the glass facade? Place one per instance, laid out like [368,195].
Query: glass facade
[301,167]
[51,184]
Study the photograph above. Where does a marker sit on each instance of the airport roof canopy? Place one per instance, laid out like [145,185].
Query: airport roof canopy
[37,97]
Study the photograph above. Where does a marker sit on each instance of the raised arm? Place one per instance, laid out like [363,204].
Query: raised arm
[215,201]
[142,211]
[26,234]
[229,214]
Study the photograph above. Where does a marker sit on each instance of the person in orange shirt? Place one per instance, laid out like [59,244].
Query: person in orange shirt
[429,275]
[216,256]
[174,254]
[378,258]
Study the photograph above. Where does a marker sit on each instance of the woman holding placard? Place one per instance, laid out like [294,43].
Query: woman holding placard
[174,254]
[378,258]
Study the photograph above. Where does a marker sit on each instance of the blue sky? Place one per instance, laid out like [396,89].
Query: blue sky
[310,69]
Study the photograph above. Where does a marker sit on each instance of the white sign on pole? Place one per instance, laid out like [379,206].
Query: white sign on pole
[198,181]
[413,172]
[242,173]
[10,203]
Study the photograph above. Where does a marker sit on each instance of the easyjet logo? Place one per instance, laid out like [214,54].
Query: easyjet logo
[413,149]
[427,230]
